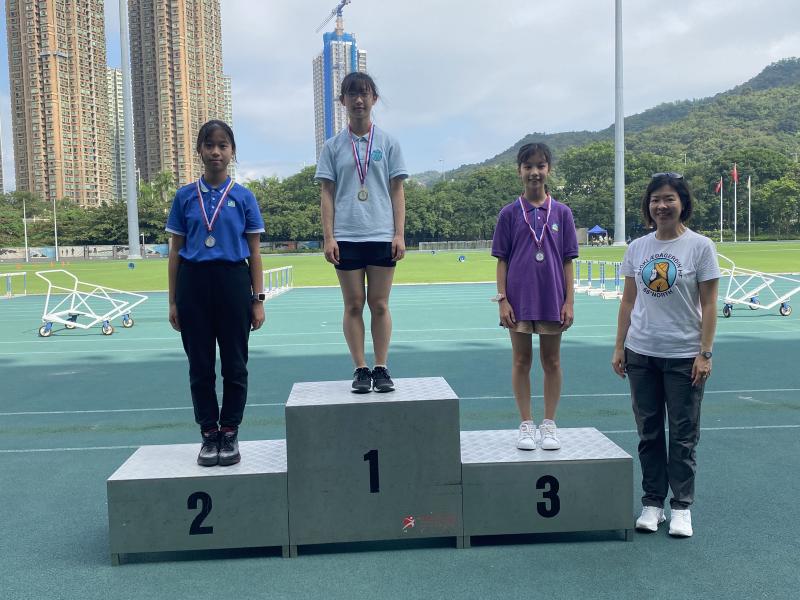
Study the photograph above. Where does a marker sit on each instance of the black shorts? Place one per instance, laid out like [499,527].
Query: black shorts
[359,255]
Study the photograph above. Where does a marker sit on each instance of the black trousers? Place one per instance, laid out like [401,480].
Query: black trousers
[214,301]
[661,389]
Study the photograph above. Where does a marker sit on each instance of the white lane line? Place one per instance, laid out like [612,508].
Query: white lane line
[265,404]
[618,431]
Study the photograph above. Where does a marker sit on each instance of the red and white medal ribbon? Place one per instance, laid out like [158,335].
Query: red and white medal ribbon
[210,224]
[539,239]
[362,169]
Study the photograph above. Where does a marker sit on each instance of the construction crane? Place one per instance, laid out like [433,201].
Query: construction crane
[336,12]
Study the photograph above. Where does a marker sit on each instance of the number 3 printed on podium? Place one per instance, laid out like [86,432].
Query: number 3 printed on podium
[550,485]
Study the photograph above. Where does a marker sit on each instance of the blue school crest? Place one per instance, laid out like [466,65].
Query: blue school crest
[377,155]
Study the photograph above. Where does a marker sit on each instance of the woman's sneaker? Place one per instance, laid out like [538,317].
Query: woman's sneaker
[680,523]
[209,451]
[362,380]
[527,436]
[650,519]
[381,382]
[548,434]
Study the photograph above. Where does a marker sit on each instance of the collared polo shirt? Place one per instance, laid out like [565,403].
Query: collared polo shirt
[238,216]
[354,220]
[535,290]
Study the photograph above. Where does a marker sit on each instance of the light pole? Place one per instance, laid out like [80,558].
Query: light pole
[25,229]
[619,132]
[55,228]
[441,164]
[127,110]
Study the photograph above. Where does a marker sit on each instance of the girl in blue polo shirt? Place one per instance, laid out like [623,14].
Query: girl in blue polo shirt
[361,171]
[216,289]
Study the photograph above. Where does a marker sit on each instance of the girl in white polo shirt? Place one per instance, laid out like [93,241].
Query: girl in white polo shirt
[361,171]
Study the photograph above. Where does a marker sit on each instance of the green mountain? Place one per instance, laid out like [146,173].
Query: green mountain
[762,111]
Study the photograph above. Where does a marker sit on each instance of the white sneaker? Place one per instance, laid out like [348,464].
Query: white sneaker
[527,433]
[650,519]
[680,523]
[549,438]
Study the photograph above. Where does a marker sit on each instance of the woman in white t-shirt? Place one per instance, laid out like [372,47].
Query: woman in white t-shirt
[665,333]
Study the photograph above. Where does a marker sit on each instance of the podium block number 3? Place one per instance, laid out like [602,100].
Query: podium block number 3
[205,501]
[374,477]
[552,505]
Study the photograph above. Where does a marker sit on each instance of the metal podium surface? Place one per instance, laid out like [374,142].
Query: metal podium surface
[587,485]
[373,466]
[161,500]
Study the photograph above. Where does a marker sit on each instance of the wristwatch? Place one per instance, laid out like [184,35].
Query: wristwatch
[498,298]
[259,296]
[705,354]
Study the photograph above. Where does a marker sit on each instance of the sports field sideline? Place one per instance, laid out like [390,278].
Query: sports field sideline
[74,406]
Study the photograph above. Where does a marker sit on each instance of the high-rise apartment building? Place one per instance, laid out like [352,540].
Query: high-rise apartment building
[116,134]
[340,55]
[228,114]
[177,81]
[57,80]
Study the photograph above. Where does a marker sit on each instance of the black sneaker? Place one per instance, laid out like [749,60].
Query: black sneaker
[229,448]
[209,451]
[362,380]
[381,381]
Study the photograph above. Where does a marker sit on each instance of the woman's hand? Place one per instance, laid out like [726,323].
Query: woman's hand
[507,318]
[257,316]
[701,370]
[618,362]
[173,316]
[331,250]
[398,248]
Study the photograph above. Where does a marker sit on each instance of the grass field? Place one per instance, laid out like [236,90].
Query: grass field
[418,267]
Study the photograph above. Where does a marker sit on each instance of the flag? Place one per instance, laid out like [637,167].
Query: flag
[735,173]
[719,186]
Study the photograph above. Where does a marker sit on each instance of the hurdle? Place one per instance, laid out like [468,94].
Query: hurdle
[9,293]
[617,291]
[278,280]
[582,288]
[598,291]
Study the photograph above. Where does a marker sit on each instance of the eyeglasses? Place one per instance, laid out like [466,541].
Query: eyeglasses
[670,174]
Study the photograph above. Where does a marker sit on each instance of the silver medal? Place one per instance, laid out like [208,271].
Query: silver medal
[540,256]
[363,194]
[210,241]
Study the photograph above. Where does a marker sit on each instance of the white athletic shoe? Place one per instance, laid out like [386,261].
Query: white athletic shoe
[680,523]
[527,436]
[549,436]
[650,519]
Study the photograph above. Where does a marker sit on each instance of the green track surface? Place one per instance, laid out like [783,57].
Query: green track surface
[417,267]
[73,407]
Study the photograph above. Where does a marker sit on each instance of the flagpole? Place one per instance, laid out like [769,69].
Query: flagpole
[748,208]
[720,209]
[735,181]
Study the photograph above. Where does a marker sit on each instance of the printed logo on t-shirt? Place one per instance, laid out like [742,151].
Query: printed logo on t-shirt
[659,274]
[377,154]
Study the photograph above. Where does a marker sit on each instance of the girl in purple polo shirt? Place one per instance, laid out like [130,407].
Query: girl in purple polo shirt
[534,243]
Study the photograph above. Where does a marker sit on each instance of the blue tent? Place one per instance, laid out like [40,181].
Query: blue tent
[596,230]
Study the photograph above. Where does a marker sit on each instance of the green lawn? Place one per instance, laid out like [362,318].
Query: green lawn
[418,267]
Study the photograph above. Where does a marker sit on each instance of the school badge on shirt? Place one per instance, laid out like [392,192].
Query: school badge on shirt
[231,203]
[554,227]
[377,155]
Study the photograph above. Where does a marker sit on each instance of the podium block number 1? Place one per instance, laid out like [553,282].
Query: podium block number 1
[204,500]
[374,476]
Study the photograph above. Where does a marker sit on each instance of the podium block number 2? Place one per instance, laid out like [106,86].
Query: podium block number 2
[374,477]
[552,505]
[204,500]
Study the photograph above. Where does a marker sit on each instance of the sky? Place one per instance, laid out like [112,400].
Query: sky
[462,81]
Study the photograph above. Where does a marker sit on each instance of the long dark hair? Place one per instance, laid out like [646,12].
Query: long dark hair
[210,127]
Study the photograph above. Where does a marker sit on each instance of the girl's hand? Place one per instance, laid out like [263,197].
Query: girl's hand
[507,318]
[701,370]
[332,251]
[567,316]
[257,316]
[398,248]
[618,362]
